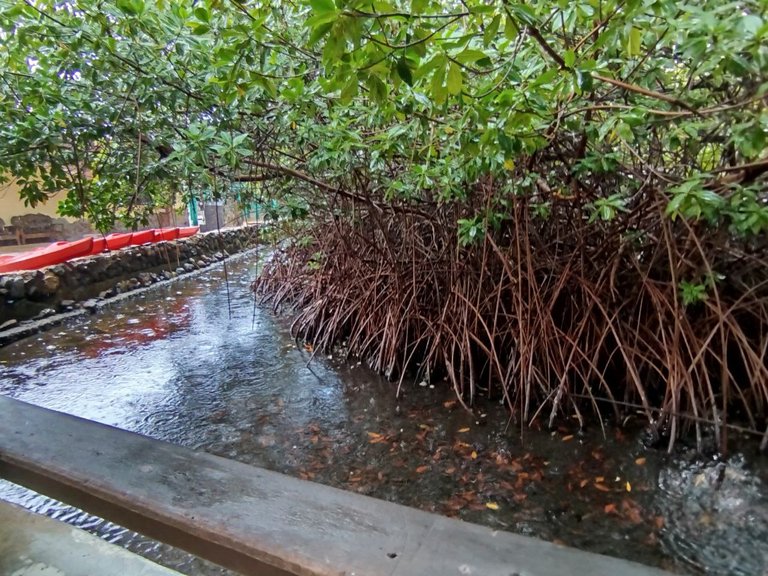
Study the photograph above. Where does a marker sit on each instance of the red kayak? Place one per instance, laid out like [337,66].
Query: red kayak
[142,237]
[117,241]
[188,231]
[99,245]
[55,253]
[111,242]
[166,234]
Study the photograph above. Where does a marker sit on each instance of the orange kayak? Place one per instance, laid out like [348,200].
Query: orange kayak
[188,231]
[166,234]
[55,253]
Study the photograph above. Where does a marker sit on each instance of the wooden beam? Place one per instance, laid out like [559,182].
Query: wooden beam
[256,521]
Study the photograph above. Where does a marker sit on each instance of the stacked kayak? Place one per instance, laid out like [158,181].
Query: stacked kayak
[55,253]
[166,234]
[188,231]
[142,237]
[59,252]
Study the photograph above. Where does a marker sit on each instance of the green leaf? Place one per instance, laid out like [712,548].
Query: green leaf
[506,143]
[624,131]
[128,6]
[437,88]
[751,25]
[318,33]
[524,14]
[584,80]
[404,71]
[321,19]
[482,9]
[202,14]
[455,79]
[322,6]
[491,30]
[469,56]
[692,293]
[569,57]
[511,29]
[349,91]
[546,77]
[377,88]
[634,42]
[432,64]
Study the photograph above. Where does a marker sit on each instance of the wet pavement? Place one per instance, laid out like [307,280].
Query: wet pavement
[33,545]
[175,364]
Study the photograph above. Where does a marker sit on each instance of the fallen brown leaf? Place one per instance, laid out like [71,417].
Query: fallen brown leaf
[376,438]
[631,511]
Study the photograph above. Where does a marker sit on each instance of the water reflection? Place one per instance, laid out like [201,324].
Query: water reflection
[174,364]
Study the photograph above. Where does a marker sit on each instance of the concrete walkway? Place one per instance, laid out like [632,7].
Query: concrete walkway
[34,545]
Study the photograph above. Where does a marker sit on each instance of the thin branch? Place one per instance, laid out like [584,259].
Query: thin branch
[645,92]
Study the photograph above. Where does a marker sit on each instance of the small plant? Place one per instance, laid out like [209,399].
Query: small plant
[470,230]
[692,293]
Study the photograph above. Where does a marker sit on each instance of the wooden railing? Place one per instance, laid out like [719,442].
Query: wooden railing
[256,521]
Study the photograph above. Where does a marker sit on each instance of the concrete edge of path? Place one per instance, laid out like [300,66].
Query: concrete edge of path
[34,545]
[261,522]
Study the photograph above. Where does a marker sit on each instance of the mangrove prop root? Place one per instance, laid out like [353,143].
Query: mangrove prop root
[553,315]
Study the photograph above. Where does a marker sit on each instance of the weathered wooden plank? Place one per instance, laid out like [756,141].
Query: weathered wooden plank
[256,521]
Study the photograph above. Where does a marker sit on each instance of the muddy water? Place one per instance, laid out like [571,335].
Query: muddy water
[174,364]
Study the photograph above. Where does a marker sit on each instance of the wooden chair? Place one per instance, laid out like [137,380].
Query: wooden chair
[32,227]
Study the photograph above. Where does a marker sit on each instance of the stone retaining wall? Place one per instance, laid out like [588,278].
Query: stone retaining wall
[37,294]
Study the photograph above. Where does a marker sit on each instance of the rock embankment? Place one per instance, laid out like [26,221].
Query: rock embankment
[84,282]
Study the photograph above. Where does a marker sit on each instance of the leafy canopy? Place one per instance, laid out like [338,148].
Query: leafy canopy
[126,103]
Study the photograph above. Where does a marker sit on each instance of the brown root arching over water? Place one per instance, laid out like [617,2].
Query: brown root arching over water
[558,316]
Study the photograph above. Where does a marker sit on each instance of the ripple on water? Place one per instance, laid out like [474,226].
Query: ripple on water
[717,516]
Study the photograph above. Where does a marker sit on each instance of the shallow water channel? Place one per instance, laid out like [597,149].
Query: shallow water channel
[195,363]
